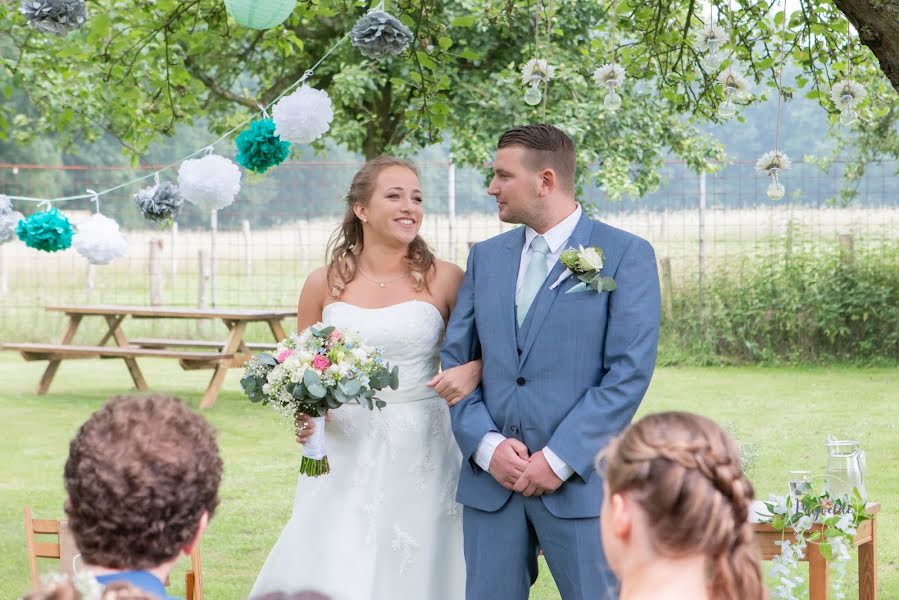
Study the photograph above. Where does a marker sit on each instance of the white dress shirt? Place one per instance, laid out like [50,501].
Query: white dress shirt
[556,238]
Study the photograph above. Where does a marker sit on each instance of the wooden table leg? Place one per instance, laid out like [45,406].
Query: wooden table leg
[122,342]
[277,330]
[50,372]
[818,583]
[867,566]
[112,326]
[235,337]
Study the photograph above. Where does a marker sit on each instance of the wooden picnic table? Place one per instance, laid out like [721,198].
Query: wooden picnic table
[220,356]
[865,542]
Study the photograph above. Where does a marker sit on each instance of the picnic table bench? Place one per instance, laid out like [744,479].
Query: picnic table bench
[220,356]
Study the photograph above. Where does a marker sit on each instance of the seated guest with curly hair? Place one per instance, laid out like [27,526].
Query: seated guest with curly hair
[675,512]
[142,480]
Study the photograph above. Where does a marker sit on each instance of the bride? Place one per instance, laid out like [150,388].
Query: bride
[384,523]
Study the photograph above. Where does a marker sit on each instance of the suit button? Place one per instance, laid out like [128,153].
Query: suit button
[514,429]
[521,381]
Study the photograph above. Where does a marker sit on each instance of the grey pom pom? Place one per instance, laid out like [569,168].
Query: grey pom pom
[380,34]
[55,16]
[160,202]
[9,219]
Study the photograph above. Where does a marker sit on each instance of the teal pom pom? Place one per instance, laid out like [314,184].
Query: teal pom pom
[258,148]
[48,231]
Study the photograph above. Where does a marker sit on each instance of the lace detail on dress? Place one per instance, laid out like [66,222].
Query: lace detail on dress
[406,546]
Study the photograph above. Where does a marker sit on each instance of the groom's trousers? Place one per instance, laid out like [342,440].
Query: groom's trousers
[501,553]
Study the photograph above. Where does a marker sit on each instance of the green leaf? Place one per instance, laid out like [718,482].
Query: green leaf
[267,359]
[608,284]
[395,378]
[444,42]
[425,60]
[826,550]
[311,378]
[465,21]
[469,54]
[316,390]
[350,387]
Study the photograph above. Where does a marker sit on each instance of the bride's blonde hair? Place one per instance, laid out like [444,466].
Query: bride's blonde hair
[684,471]
[347,240]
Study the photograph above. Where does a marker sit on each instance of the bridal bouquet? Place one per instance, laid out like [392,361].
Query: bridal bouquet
[309,373]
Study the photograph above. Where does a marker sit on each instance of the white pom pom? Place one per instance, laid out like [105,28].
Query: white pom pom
[303,116]
[99,240]
[210,182]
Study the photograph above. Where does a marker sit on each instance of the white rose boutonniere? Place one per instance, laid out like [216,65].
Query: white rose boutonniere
[586,264]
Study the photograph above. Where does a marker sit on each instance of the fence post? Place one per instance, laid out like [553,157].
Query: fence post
[214,227]
[202,288]
[667,300]
[847,249]
[174,243]
[155,268]
[701,241]
[303,248]
[91,274]
[451,209]
[248,248]
[4,282]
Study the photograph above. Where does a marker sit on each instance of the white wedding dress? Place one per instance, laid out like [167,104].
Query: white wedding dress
[384,523]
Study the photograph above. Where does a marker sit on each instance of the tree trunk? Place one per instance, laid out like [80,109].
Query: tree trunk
[877,23]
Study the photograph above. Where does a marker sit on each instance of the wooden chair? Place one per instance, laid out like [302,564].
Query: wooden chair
[61,545]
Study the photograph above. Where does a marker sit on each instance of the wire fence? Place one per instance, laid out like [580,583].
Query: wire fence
[257,252]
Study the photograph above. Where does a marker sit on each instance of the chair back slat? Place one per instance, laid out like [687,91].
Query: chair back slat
[45,526]
[46,550]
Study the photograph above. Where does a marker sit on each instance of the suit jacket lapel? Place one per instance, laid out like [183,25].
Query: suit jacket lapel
[545,297]
[507,280]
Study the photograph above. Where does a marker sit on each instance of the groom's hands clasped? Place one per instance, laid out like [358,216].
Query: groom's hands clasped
[537,478]
[509,461]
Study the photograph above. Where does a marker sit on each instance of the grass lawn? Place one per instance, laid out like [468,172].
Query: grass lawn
[786,411]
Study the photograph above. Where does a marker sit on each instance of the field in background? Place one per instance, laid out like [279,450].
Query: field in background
[266,268]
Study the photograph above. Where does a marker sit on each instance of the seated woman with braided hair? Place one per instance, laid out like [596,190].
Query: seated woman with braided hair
[675,512]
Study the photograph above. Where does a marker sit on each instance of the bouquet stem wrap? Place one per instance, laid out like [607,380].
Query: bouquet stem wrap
[315,458]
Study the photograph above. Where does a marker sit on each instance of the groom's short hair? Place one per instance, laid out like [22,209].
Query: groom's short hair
[548,147]
[141,472]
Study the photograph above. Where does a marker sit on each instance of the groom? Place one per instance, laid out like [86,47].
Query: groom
[564,369]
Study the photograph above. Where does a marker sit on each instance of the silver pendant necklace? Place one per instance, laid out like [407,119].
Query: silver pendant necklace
[380,283]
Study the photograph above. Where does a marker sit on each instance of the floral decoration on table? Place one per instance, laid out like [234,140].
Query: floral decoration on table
[837,521]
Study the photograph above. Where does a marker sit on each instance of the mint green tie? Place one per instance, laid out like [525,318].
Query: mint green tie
[533,277]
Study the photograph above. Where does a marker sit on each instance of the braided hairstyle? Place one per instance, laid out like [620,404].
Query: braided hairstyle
[684,471]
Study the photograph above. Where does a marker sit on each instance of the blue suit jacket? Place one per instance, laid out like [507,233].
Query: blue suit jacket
[570,378]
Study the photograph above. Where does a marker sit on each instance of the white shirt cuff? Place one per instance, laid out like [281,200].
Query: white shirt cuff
[486,447]
[559,466]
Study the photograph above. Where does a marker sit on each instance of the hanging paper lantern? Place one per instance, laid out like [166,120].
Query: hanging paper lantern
[210,182]
[379,34]
[99,240]
[160,202]
[48,231]
[260,14]
[303,116]
[9,219]
[258,148]
[55,16]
